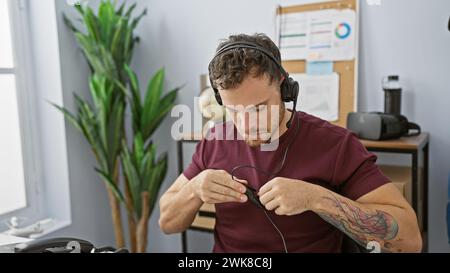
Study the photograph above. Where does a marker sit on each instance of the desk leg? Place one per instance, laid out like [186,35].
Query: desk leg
[180,156]
[184,241]
[415,184]
[425,186]
[180,171]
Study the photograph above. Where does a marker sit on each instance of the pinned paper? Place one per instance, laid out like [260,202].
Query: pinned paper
[319,68]
[319,95]
[323,35]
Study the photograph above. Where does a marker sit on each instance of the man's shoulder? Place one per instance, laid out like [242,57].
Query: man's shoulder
[324,132]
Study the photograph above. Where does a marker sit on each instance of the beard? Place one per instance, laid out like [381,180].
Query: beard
[258,140]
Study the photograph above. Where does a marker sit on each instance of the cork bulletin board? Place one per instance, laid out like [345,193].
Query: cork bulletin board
[347,70]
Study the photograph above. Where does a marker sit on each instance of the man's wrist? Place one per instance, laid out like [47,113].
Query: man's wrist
[315,200]
[190,189]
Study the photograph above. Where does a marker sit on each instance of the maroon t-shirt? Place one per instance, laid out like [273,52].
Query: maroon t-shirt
[321,153]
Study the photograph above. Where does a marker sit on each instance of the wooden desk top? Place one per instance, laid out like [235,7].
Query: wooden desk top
[404,143]
[191,137]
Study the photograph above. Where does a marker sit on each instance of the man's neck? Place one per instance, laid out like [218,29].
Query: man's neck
[282,128]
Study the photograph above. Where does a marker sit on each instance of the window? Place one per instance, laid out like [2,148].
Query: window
[12,183]
[34,176]
[18,176]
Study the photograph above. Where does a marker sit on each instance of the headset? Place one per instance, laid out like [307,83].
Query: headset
[289,87]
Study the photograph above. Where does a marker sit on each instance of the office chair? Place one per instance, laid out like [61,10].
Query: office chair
[350,246]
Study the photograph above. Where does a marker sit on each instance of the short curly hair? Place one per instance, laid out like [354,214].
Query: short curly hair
[231,68]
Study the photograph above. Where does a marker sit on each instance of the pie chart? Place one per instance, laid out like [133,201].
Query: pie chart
[343,31]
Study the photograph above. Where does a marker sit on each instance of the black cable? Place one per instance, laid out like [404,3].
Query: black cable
[273,174]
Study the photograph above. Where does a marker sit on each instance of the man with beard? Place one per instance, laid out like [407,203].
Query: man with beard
[281,180]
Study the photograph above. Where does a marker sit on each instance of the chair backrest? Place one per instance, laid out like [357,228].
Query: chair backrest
[350,246]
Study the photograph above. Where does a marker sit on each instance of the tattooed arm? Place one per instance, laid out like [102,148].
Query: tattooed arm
[382,215]
[365,222]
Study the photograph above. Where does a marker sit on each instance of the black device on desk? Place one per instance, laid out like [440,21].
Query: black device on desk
[63,245]
[380,126]
[388,125]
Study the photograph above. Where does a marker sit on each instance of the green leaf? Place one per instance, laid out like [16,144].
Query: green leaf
[164,108]
[79,8]
[117,41]
[134,83]
[130,10]
[157,180]
[138,19]
[115,132]
[152,96]
[90,130]
[145,166]
[92,24]
[69,116]
[92,53]
[135,100]
[170,98]
[148,165]
[69,24]
[133,179]
[106,17]
[138,148]
[98,92]
[119,12]
[111,184]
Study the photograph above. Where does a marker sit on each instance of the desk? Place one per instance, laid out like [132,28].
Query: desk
[413,146]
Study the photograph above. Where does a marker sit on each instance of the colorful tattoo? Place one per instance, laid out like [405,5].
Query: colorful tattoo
[362,226]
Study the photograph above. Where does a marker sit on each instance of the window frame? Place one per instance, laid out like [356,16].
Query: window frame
[28,118]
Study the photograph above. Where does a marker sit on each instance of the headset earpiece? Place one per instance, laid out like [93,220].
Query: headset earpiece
[290,90]
[217,96]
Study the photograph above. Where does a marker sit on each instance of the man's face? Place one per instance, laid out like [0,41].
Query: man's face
[256,109]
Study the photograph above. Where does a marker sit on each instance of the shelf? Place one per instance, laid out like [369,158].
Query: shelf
[404,143]
[401,177]
[205,219]
[203,223]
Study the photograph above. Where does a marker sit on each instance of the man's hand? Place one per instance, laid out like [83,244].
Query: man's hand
[217,186]
[287,196]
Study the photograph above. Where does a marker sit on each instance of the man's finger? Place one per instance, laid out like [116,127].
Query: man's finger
[267,197]
[266,187]
[224,178]
[272,204]
[225,198]
[279,211]
[241,180]
[223,190]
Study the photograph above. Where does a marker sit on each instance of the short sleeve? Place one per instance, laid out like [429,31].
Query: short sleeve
[356,172]
[197,164]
